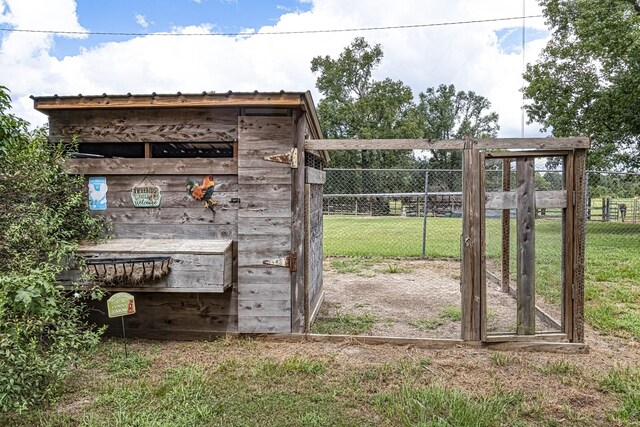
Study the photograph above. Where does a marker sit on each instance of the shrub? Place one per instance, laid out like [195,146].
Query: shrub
[42,215]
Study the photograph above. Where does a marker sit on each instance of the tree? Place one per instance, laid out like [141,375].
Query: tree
[446,113]
[587,78]
[43,214]
[357,106]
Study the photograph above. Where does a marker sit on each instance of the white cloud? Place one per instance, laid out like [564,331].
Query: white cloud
[141,20]
[467,55]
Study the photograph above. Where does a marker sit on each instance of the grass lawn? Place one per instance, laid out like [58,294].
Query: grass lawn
[250,382]
[612,291]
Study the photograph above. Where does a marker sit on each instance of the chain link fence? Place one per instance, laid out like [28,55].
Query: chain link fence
[417,212]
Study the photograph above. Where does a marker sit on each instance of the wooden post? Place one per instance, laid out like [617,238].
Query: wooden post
[579,236]
[472,195]
[307,257]
[526,246]
[506,227]
[568,216]
[298,230]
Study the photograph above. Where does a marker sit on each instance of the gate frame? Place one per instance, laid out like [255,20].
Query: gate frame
[473,244]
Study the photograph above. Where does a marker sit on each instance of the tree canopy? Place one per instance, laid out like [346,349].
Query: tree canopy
[355,105]
[587,79]
[446,113]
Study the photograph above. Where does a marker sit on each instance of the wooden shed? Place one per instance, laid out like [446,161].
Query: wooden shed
[215,189]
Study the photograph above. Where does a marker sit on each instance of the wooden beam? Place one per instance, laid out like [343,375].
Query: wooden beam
[537,346]
[508,200]
[471,246]
[430,343]
[506,228]
[315,176]
[267,99]
[506,154]
[526,303]
[553,337]
[153,166]
[549,144]
[579,236]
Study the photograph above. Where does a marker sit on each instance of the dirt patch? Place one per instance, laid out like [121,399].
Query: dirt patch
[409,298]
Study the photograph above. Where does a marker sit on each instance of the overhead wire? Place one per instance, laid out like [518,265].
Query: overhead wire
[267,33]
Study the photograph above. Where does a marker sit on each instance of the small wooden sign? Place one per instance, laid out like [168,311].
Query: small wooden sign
[121,304]
[146,197]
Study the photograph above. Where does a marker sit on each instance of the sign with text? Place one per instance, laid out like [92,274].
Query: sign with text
[121,304]
[98,193]
[146,197]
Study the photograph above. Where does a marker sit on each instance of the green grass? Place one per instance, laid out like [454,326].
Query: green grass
[612,290]
[440,406]
[559,367]
[445,315]
[501,358]
[344,323]
[241,382]
[625,383]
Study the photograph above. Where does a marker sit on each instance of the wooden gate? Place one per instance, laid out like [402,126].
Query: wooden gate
[473,246]
[524,200]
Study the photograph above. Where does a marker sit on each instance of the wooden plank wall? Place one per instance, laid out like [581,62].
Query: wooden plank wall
[145,125]
[264,224]
[316,192]
[162,315]
[178,216]
[173,316]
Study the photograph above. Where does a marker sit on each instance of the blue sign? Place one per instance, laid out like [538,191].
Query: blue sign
[98,193]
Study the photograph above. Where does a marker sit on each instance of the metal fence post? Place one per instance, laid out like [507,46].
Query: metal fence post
[424,214]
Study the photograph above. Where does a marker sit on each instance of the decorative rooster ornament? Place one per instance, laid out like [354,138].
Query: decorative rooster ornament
[202,192]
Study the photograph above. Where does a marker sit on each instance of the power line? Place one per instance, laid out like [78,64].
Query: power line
[277,33]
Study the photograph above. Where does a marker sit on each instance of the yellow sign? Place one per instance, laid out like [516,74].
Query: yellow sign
[121,304]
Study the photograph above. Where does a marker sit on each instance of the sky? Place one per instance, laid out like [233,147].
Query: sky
[200,55]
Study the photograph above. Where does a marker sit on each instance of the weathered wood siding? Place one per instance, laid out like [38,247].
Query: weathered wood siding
[315,246]
[174,316]
[264,224]
[179,215]
[145,125]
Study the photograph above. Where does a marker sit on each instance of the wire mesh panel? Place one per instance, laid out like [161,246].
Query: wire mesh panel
[393,212]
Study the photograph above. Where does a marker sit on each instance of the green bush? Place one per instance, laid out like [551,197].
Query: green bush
[42,215]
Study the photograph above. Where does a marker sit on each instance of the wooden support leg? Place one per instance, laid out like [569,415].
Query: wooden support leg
[526,246]
[506,227]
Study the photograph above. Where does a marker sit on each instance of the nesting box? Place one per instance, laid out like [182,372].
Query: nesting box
[217,185]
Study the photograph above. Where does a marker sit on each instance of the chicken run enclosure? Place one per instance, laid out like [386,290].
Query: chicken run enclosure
[214,207]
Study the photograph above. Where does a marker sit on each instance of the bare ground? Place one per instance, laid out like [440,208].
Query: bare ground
[412,298]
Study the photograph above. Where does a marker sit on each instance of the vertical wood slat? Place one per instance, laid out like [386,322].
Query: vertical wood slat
[298,230]
[482,267]
[568,215]
[264,291]
[580,168]
[307,258]
[526,246]
[506,228]
[471,246]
